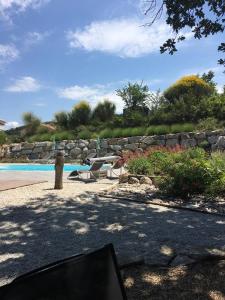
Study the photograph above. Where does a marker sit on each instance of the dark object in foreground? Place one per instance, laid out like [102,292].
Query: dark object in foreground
[92,276]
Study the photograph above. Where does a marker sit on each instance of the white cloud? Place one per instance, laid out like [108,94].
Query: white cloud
[11,124]
[93,94]
[121,37]
[8,53]
[10,7]
[34,38]
[24,84]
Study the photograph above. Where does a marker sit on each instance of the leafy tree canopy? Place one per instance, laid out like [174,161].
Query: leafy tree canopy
[186,87]
[134,95]
[32,122]
[80,114]
[62,119]
[104,111]
[203,17]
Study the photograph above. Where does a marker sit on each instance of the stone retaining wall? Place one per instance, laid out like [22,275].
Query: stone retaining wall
[79,149]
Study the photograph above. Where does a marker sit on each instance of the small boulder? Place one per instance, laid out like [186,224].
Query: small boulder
[145,180]
[123,178]
[133,180]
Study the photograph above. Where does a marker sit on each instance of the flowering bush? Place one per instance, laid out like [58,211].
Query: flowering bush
[183,172]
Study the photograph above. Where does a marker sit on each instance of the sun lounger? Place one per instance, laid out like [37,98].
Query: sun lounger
[94,171]
[93,276]
[105,158]
[118,165]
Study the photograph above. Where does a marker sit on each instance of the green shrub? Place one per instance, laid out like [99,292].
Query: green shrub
[186,127]
[140,166]
[183,173]
[194,172]
[187,178]
[3,137]
[209,124]
[58,136]
[106,133]
[64,135]
[40,137]
[158,129]
[84,134]
[217,187]
[160,161]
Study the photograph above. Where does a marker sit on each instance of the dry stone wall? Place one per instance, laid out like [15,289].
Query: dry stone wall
[79,149]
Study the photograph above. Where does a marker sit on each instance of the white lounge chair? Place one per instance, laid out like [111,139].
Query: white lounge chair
[93,173]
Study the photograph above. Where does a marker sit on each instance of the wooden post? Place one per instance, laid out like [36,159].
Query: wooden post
[59,164]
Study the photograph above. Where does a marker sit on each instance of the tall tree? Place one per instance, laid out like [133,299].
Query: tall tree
[104,111]
[208,77]
[134,95]
[203,17]
[32,122]
[80,115]
[62,119]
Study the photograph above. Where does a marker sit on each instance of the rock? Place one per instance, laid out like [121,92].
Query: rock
[213,139]
[172,142]
[160,137]
[26,151]
[38,150]
[133,180]
[92,151]
[70,146]
[112,141]
[82,145]
[104,144]
[159,142]
[172,136]
[149,140]
[16,147]
[27,146]
[92,144]
[143,146]
[41,144]
[184,136]
[123,178]
[221,142]
[123,141]
[145,180]
[134,139]
[115,147]
[188,143]
[75,152]
[215,132]
[200,136]
[131,147]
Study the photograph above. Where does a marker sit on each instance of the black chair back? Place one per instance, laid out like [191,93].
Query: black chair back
[93,276]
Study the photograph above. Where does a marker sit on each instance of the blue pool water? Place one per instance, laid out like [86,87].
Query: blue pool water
[42,167]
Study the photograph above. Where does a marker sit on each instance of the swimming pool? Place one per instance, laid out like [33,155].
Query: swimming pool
[42,167]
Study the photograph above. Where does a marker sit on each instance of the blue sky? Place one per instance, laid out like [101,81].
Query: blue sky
[54,53]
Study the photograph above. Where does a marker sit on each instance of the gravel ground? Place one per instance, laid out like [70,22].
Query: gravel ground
[150,194]
[39,225]
[199,282]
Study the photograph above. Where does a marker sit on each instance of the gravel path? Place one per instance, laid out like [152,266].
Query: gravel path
[39,225]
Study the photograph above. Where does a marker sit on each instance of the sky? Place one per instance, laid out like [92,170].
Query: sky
[54,53]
